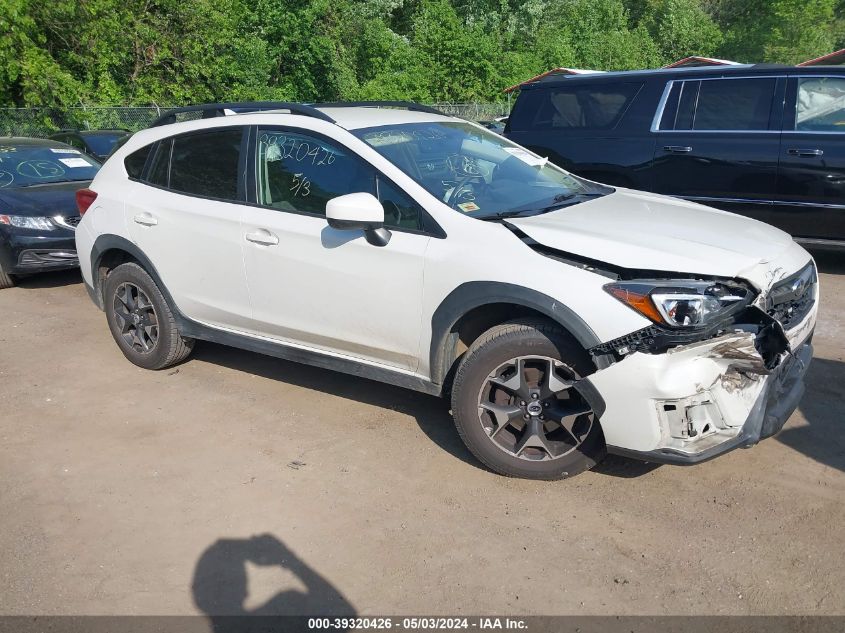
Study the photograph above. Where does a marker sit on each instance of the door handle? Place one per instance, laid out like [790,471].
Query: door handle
[263,237]
[805,152]
[145,219]
[678,149]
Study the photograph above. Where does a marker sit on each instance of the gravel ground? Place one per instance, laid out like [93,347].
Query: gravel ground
[238,483]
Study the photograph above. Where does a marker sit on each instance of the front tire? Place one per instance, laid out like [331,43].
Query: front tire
[6,280]
[140,320]
[516,407]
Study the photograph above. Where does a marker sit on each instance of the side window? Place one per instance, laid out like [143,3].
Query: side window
[160,169]
[579,106]
[726,104]
[206,163]
[298,172]
[820,104]
[135,162]
[301,173]
[686,105]
[400,211]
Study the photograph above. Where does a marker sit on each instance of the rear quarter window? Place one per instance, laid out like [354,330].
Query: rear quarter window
[135,162]
[574,107]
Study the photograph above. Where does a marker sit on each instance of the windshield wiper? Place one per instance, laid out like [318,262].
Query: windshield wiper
[565,198]
[558,200]
[503,215]
[51,182]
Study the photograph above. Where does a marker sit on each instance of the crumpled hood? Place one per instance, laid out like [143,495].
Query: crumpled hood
[42,200]
[638,230]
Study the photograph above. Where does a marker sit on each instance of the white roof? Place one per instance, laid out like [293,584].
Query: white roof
[352,118]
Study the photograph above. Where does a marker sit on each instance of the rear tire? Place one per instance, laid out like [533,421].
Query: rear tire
[6,280]
[515,407]
[141,322]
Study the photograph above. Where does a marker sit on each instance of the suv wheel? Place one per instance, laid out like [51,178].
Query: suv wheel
[6,280]
[140,320]
[515,405]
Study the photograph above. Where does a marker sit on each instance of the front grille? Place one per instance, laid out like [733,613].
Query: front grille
[792,299]
[47,258]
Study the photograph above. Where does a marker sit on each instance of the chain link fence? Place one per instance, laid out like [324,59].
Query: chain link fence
[41,122]
[473,111]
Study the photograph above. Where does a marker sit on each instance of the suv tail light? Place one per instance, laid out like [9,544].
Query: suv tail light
[84,199]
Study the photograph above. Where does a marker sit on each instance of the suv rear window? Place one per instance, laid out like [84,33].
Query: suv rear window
[576,106]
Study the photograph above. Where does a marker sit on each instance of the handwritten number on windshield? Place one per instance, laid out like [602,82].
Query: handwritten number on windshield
[301,186]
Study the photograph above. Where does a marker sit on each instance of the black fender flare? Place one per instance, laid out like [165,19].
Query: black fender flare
[475,294]
[108,242]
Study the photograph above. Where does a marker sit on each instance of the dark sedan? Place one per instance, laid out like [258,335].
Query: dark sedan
[38,214]
[98,144]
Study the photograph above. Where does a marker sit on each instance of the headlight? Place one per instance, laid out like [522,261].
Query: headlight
[682,303]
[28,222]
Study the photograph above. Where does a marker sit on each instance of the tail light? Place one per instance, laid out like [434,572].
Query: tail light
[84,199]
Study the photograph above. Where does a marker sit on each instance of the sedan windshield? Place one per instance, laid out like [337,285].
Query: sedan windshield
[28,165]
[477,172]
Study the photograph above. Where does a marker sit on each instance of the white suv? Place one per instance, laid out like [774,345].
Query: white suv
[565,319]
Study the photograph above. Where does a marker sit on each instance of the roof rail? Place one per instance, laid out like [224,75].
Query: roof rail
[407,105]
[211,110]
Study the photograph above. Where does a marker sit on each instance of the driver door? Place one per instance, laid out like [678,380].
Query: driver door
[326,288]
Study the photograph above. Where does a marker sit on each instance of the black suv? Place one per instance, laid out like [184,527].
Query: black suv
[764,141]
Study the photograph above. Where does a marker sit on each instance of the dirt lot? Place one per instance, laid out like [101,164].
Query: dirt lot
[239,483]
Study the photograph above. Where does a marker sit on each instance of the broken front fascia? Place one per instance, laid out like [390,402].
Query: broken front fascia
[698,400]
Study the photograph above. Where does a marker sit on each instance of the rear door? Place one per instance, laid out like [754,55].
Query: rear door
[718,141]
[186,218]
[811,174]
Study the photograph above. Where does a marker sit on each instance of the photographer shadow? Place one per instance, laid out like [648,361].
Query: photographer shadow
[220,587]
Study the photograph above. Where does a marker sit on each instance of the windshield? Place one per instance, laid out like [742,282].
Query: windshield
[27,165]
[475,171]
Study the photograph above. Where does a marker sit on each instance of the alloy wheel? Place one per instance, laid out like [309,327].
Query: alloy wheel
[531,409]
[135,317]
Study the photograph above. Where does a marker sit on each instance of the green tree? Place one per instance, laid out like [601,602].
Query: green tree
[72,52]
[781,31]
[681,28]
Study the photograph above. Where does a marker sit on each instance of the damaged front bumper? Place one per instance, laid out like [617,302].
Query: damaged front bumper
[700,400]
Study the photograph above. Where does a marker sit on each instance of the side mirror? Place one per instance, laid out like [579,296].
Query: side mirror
[359,211]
